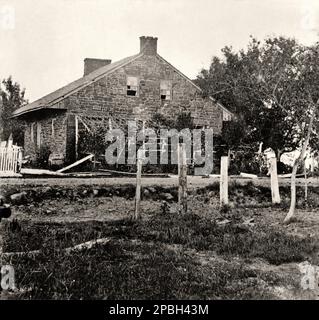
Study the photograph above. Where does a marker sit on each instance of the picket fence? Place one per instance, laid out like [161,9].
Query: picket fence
[10,159]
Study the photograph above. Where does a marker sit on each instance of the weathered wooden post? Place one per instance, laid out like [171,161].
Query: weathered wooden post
[139,160]
[182,178]
[2,232]
[275,196]
[1,237]
[306,185]
[5,212]
[223,190]
[76,137]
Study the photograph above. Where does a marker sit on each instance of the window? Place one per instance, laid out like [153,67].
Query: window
[32,131]
[38,134]
[52,128]
[166,89]
[35,133]
[132,86]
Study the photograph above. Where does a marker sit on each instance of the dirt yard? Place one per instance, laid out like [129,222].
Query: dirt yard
[242,252]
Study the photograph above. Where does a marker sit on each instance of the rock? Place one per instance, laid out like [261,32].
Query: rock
[167,196]
[146,193]
[169,208]
[95,192]
[46,189]
[173,208]
[211,194]
[152,190]
[18,197]
[84,192]
[164,207]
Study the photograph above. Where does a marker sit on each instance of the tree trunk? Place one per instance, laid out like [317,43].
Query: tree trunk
[294,172]
[293,192]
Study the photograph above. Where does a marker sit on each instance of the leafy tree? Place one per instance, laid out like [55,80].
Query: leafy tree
[11,98]
[237,82]
[274,87]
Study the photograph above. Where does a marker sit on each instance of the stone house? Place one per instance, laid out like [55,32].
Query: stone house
[135,87]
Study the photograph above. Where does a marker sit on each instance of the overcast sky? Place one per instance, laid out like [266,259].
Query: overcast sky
[43,43]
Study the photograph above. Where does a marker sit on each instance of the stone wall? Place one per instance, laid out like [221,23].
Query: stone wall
[55,140]
[108,95]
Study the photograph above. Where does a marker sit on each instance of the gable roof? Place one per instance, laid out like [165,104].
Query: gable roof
[58,95]
[49,100]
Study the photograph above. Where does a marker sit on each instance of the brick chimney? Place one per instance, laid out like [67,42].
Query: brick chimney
[91,64]
[148,45]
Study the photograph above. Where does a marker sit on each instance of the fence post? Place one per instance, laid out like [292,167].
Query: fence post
[20,159]
[182,178]
[76,136]
[306,185]
[1,237]
[275,196]
[223,190]
[138,184]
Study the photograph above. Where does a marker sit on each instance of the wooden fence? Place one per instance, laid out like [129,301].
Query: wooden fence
[10,158]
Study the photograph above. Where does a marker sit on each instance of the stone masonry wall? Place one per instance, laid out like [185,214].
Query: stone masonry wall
[56,141]
[108,95]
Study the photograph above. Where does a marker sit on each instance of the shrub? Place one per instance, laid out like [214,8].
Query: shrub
[42,157]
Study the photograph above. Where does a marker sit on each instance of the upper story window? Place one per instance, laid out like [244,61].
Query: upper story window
[166,89]
[132,86]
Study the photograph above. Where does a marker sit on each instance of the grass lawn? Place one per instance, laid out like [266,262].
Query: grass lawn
[164,255]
